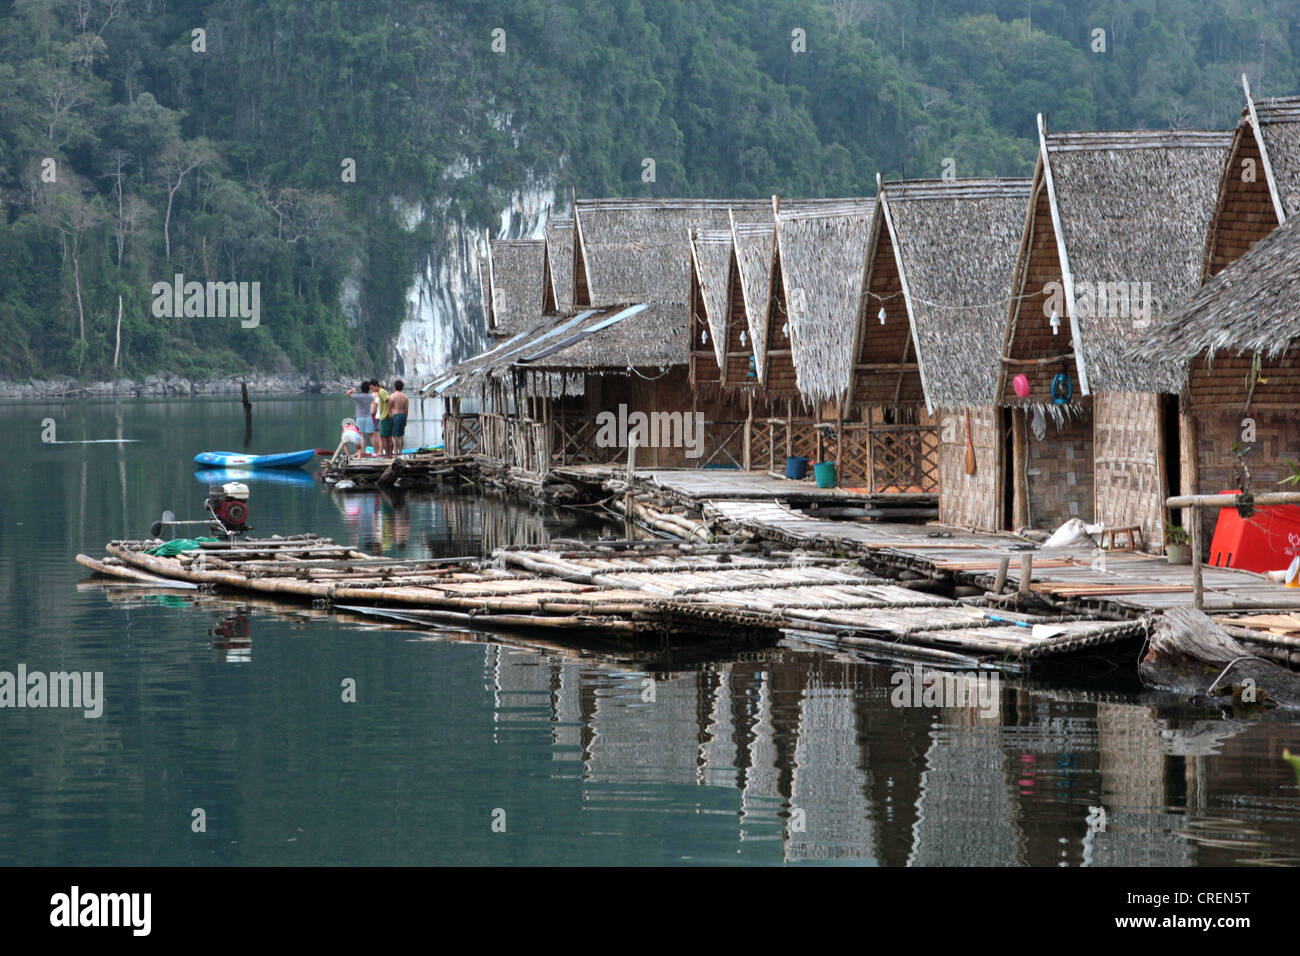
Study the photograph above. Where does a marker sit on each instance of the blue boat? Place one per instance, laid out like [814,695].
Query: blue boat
[231,459]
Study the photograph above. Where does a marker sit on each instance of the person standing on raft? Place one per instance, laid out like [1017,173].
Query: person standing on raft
[398,404]
[365,420]
[383,418]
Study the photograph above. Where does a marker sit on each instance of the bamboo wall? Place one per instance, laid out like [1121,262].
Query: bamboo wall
[704,360]
[1032,337]
[1246,212]
[1060,471]
[888,344]
[738,352]
[970,501]
[781,375]
[1129,470]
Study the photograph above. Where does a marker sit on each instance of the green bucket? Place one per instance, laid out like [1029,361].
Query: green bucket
[825,473]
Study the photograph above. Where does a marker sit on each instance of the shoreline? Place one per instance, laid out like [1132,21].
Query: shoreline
[172,386]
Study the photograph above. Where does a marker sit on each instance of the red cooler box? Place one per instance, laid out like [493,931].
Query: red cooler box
[1266,541]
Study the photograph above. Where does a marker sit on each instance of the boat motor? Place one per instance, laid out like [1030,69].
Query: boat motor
[228,504]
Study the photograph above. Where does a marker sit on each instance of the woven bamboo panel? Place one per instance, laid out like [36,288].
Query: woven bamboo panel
[1130,489]
[970,501]
[1060,473]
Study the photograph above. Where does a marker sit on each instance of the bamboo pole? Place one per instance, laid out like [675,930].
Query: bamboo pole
[1198,588]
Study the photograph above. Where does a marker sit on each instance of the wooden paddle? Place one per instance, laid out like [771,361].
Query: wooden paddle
[970,447]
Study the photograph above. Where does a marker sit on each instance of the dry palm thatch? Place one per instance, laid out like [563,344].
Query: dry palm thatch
[1133,208]
[558,272]
[516,284]
[1249,307]
[711,260]
[755,244]
[638,250]
[955,243]
[654,337]
[1278,132]
[822,255]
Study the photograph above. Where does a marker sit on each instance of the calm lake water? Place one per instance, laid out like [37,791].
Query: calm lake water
[788,755]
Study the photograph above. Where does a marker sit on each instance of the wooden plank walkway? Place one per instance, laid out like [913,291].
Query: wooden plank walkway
[1130,580]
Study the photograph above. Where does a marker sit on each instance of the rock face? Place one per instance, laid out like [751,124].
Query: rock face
[444,311]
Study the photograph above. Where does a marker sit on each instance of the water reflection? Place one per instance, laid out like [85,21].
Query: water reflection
[819,764]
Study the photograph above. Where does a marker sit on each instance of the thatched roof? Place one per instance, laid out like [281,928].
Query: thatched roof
[1133,208]
[594,340]
[558,275]
[1278,133]
[516,283]
[822,254]
[638,250]
[955,244]
[711,260]
[648,335]
[1248,307]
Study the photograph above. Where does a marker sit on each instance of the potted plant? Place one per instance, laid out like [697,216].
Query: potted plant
[1177,544]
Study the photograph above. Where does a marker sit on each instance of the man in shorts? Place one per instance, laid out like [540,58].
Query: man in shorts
[398,404]
[383,418]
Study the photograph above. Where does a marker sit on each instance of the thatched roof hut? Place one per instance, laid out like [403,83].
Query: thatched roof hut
[557,273]
[821,254]
[954,245]
[515,284]
[1127,213]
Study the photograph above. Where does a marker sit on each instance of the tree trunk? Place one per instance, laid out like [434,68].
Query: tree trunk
[76,278]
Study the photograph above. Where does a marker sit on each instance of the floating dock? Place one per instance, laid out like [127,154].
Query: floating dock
[419,471]
[642,590]
[742,561]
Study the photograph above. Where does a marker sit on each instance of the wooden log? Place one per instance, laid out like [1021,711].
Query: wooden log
[1026,573]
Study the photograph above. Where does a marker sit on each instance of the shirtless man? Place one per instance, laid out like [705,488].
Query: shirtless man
[398,404]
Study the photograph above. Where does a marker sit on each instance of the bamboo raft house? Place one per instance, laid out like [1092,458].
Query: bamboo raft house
[1111,214]
[943,254]
[1236,339]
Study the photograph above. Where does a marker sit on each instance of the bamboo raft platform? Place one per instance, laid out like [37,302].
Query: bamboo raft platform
[639,591]
[422,470]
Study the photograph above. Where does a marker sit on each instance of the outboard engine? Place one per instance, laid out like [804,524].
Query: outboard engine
[228,503]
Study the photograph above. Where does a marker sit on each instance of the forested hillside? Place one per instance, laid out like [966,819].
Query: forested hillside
[222,154]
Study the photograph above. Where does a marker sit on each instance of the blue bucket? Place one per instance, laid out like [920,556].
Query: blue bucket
[825,472]
[796,468]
